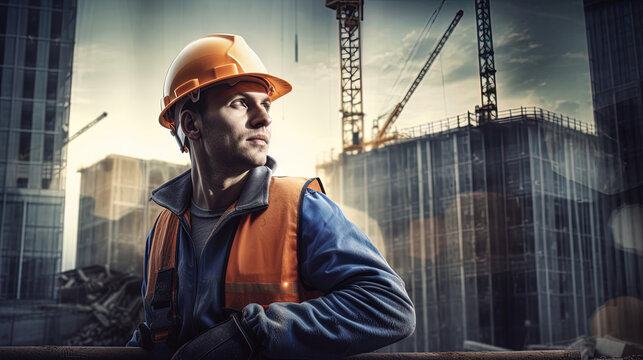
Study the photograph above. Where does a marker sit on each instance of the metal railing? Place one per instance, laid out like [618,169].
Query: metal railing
[505,116]
[450,123]
[123,353]
[522,113]
[536,113]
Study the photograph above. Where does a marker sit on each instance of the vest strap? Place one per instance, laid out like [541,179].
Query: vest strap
[162,284]
[161,304]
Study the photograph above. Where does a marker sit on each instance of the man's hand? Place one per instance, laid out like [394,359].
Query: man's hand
[227,340]
[145,336]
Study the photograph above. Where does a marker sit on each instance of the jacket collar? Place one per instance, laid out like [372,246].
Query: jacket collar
[175,195]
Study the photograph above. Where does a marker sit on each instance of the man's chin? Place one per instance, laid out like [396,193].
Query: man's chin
[262,160]
[255,160]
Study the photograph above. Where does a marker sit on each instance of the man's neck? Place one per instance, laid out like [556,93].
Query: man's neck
[215,190]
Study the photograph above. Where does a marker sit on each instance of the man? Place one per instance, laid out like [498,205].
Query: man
[241,264]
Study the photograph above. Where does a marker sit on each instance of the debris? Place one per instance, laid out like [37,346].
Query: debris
[597,348]
[111,299]
[81,275]
[586,345]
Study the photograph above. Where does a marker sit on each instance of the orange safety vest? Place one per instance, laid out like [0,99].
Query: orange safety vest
[262,266]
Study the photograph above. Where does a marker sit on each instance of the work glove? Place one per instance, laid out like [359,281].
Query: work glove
[228,340]
[145,337]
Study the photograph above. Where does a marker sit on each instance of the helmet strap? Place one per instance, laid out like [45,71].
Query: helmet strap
[179,136]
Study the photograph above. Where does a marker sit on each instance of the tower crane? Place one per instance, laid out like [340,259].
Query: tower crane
[85,128]
[350,14]
[380,136]
[489,109]
[54,171]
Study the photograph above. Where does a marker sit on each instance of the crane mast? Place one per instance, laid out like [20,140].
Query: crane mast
[379,138]
[489,109]
[350,14]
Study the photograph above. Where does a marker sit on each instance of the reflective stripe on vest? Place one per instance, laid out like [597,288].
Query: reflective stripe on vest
[262,266]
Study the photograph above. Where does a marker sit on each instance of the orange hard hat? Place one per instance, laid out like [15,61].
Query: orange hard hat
[212,59]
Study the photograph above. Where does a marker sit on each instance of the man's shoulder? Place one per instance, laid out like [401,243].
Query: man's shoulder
[298,183]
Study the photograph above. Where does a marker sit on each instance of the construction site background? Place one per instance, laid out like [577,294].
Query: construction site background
[513,228]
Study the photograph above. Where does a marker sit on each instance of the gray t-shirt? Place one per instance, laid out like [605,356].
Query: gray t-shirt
[202,223]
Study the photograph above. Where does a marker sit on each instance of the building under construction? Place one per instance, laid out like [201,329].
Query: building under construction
[116,212]
[492,226]
[492,218]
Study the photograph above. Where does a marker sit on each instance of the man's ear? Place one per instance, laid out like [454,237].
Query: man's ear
[188,120]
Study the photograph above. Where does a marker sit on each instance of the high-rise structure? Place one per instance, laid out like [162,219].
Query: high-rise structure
[615,46]
[116,213]
[36,53]
[493,227]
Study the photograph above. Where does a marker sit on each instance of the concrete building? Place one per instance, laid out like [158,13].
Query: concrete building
[36,52]
[115,213]
[493,227]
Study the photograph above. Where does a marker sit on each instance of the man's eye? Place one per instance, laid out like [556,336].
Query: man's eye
[239,102]
[266,105]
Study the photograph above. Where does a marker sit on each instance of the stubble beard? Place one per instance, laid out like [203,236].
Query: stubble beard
[245,159]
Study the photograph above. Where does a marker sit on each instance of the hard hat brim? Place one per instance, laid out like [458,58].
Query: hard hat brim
[281,87]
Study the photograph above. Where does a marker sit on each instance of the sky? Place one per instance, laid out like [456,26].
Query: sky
[124,47]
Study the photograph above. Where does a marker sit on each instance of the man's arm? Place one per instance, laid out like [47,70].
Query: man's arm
[365,307]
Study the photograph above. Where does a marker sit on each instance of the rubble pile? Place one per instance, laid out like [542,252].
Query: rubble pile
[112,298]
[591,347]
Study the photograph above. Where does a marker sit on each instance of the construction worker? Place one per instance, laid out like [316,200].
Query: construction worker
[241,264]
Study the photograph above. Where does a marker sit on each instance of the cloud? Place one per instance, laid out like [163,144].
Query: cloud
[513,42]
[567,107]
[518,36]
[521,60]
[574,55]
[384,58]
[511,36]
[410,35]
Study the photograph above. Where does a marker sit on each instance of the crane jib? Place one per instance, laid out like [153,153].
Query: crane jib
[436,51]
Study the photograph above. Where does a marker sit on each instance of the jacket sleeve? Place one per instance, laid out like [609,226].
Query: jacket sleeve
[365,306]
[136,336]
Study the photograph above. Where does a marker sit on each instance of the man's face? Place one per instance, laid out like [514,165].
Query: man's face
[235,126]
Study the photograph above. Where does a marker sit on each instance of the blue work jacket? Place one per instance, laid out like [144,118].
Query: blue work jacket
[365,306]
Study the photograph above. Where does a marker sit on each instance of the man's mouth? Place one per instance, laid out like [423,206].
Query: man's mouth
[258,139]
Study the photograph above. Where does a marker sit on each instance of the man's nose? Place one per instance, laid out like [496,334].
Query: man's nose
[260,117]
